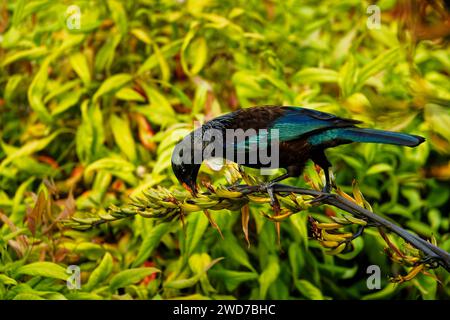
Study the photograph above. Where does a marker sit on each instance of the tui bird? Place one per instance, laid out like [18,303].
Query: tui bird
[302,134]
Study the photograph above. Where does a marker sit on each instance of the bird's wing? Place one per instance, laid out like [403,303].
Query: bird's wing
[297,123]
[261,139]
[290,123]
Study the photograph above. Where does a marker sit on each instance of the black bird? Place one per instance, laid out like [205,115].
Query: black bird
[303,134]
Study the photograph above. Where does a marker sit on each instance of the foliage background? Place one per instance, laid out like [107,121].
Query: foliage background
[89,117]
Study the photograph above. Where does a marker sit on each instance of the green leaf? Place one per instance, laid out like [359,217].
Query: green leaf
[189,282]
[43,269]
[234,250]
[184,48]
[90,136]
[29,54]
[160,110]
[111,165]
[113,83]
[247,85]
[16,215]
[130,276]
[182,283]
[309,290]
[385,293]
[165,70]
[200,98]
[31,147]
[89,250]
[199,264]
[420,228]
[347,77]
[36,92]
[83,296]
[198,53]
[100,273]
[105,56]
[80,65]
[11,86]
[196,227]
[299,221]
[27,296]
[268,276]
[129,94]
[52,295]
[427,286]
[312,75]
[378,168]
[438,119]
[142,35]
[67,101]
[380,63]
[232,279]
[150,242]
[122,135]
[67,87]
[19,11]
[4,279]
[168,51]
[119,16]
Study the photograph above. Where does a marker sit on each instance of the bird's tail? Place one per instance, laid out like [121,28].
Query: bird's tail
[378,136]
[338,136]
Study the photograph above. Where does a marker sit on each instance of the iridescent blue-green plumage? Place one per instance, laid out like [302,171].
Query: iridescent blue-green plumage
[364,135]
[303,134]
[323,128]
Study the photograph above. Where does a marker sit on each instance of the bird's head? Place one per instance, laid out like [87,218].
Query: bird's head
[184,166]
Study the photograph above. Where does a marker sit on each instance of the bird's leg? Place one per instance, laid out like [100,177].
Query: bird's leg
[277,209]
[263,187]
[268,187]
[275,204]
[273,200]
[278,179]
[329,183]
[326,190]
[319,158]
[357,234]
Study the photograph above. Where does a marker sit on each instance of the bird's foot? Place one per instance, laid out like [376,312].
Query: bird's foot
[244,188]
[326,193]
[234,185]
[268,188]
[264,187]
[357,234]
[431,262]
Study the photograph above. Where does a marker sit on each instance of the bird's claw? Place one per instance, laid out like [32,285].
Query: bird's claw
[320,198]
[357,234]
[431,262]
[241,188]
[264,187]
[234,186]
[268,188]
[326,193]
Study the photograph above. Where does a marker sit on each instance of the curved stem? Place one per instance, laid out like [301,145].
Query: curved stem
[431,251]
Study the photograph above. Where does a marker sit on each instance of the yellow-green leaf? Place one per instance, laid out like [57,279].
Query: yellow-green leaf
[80,65]
[122,135]
[113,83]
[130,276]
[100,273]
[43,269]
